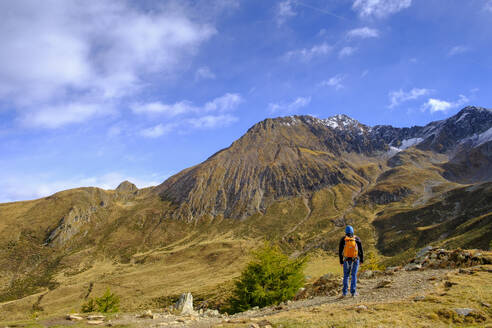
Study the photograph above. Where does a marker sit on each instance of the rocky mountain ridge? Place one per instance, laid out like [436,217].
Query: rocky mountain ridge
[297,155]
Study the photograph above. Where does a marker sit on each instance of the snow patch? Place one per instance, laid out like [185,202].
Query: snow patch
[409,143]
[393,151]
[462,117]
[479,139]
[484,137]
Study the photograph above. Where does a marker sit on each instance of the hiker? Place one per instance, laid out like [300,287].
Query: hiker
[350,254]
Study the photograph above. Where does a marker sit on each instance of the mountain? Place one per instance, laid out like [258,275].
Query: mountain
[296,180]
[294,156]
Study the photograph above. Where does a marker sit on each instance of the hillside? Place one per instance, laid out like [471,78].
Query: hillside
[295,180]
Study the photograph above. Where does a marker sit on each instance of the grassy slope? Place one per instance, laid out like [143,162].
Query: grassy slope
[133,247]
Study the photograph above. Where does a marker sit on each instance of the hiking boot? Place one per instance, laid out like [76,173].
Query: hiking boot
[342,296]
[355,294]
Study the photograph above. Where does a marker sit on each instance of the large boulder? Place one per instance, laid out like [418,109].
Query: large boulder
[185,304]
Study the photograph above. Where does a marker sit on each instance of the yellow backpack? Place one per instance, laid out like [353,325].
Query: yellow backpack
[350,249]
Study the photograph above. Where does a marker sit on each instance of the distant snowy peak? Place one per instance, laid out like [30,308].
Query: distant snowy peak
[470,126]
[343,122]
[468,112]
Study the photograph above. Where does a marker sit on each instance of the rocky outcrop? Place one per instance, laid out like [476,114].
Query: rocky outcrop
[76,221]
[126,187]
[382,197]
[327,285]
[434,258]
[185,304]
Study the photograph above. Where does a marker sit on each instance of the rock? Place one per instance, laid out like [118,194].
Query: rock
[383,283]
[419,298]
[413,267]
[185,304]
[361,308]
[146,315]
[424,251]
[329,276]
[95,322]
[254,325]
[264,323]
[212,313]
[393,268]
[95,317]
[487,305]
[449,284]
[368,274]
[464,311]
[74,317]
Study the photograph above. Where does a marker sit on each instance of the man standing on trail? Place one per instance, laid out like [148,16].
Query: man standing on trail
[350,253]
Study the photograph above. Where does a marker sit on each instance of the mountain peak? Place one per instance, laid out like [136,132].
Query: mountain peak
[343,122]
[126,186]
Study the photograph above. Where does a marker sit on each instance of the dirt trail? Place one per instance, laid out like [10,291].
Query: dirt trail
[402,285]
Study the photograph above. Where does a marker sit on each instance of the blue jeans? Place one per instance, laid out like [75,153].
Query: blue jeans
[350,269]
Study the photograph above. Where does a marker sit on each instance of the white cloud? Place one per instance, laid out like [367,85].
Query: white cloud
[59,115]
[212,121]
[204,73]
[379,8]
[334,82]
[156,107]
[457,50]
[204,119]
[346,51]
[157,131]
[363,32]
[55,53]
[436,105]
[400,96]
[227,102]
[306,54]
[289,108]
[14,187]
[285,11]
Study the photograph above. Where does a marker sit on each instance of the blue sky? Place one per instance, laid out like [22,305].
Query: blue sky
[96,92]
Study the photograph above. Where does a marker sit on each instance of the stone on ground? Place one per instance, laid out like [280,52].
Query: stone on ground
[74,317]
[464,311]
[185,304]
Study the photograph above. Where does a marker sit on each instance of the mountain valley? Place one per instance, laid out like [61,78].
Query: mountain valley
[295,180]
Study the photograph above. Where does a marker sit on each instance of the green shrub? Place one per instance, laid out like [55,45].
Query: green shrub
[371,262]
[107,303]
[270,278]
[89,306]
